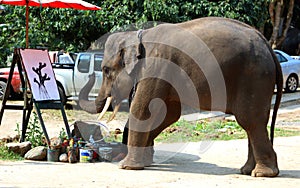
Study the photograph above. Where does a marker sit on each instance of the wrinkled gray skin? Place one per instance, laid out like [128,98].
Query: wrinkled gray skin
[120,91]
[209,63]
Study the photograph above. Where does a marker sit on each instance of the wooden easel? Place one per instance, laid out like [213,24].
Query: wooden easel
[30,99]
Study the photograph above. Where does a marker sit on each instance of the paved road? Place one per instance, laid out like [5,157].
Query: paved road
[292,99]
[199,164]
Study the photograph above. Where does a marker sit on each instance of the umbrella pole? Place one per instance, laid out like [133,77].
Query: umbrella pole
[27,20]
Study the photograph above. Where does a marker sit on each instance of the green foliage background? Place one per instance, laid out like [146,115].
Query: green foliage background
[74,30]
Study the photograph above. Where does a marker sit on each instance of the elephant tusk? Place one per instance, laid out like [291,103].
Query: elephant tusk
[114,112]
[107,104]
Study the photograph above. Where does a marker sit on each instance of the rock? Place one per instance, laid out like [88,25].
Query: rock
[8,139]
[37,153]
[63,157]
[19,148]
[223,130]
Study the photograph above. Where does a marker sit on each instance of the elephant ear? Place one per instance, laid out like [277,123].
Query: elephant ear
[132,55]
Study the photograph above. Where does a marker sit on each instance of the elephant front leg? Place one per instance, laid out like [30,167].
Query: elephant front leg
[149,114]
[134,159]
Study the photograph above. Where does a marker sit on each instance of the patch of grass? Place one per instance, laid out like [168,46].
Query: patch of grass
[8,155]
[183,131]
[285,131]
[34,133]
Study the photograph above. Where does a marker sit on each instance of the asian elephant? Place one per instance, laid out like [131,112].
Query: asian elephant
[209,63]
[291,44]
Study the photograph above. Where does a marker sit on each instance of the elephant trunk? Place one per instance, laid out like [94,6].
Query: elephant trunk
[88,106]
[84,102]
[101,104]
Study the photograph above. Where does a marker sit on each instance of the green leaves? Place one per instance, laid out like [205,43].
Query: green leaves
[34,133]
[74,30]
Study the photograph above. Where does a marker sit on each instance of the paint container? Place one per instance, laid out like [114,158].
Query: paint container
[105,154]
[52,155]
[85,155]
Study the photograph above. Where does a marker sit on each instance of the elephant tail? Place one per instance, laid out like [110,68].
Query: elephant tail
[279,84]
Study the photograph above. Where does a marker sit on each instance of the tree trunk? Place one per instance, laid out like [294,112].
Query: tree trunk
[280,19]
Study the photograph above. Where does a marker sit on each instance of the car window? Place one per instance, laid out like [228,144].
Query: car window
[280,58]
[65,59]
[97,62]
[84,63]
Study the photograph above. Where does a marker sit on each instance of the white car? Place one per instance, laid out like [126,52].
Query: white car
[290,70]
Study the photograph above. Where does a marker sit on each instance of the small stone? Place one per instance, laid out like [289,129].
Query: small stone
[8,139]
[63,157]
[19,148]
[37,153]
[223,130]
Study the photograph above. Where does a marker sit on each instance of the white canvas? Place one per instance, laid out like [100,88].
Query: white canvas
[40,74]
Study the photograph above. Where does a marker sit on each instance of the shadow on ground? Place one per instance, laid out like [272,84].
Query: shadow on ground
[187,163]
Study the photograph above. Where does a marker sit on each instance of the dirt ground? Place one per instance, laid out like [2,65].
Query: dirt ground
[207,164]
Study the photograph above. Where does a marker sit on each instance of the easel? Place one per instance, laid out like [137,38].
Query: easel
[30,96]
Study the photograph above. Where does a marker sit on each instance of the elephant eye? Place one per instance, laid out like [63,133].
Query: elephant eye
[106,71]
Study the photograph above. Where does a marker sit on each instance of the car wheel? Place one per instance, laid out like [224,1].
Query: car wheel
[291,84]
[2,89]
[62,95]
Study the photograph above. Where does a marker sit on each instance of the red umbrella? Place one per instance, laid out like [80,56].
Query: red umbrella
[75,4]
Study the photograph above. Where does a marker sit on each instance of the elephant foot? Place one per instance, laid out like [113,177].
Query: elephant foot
[134,159]
[264,171]
[247,168]
[148,156]
[128,164]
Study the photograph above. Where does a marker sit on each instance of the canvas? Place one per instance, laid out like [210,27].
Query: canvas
[40,74]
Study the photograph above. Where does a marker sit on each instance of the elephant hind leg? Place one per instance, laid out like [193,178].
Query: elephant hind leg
[264,154]
[262,159]
[250,164]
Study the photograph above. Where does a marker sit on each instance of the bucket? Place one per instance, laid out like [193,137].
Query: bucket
[85,155]
[105,154]
[52,155]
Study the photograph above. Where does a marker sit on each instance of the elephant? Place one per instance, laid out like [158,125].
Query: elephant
[211,63]
[291,44]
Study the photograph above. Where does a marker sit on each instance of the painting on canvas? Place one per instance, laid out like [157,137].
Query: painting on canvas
[40,74]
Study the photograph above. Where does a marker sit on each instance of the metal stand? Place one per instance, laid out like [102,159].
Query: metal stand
[29,101]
